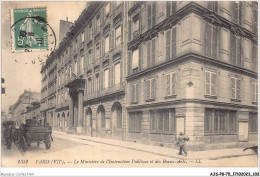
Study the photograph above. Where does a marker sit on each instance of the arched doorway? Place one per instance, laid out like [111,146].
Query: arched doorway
[87,122]
[101,121]
[116,118]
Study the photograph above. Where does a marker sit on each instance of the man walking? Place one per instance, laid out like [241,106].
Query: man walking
[182,143]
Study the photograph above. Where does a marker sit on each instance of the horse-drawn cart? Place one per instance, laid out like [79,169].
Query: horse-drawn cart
[35,134]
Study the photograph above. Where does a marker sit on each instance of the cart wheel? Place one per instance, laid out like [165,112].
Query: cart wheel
[38,144]
[48,141]
[23,143]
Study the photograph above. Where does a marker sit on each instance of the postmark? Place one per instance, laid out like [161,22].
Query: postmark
[29,29]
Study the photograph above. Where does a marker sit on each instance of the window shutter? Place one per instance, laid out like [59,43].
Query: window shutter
[174,7]
[233,88]
[168,8]
[235,12]
[208,40]
[148,54]
[140,57]
[254,58]
[101,80]
[174,40]
[147,89]
[174,81]
[149,16]
[233,49]
[238,51]
[129,63]
[113,39]
[207,83]
[213,83]
[137,92]
[153,88]
[238,96]
[133,93]
[168,86]
[153,51]
[168,39]
[153,13]
[215,43]
[129,30]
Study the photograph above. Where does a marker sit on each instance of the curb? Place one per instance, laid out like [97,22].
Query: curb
[160,154]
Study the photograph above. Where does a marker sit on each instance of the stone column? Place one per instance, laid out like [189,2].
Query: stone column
[80,111]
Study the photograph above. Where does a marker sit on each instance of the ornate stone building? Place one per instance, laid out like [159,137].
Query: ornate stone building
[145,71]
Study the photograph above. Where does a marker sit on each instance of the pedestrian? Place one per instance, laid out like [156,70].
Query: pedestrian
[182,143]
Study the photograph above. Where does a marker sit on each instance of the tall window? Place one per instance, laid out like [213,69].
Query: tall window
[135,93]
[220,121]
[171,84]
[107,44]
[98,23]
[89,86]
[135,59]
[70,72]
[106,78]
[211,38]
[235,50]
[162,120]
[171,38]
[136,26]
[82,37]
[235,88]
[254,92]
[118,35]
[98,50]
[76,67]
[135,121]
[117,73]
[97,85]
[150,89]
[210,82]
[90,56]
[82,64]
[107,9]
[253,122]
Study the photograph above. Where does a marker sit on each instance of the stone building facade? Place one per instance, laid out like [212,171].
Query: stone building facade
[145,71]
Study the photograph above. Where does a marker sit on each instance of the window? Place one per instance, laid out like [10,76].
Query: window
[82,37]
[118,35]
[211,41]
[90,56]
[210,82]
[171,84]
[135,93]
[107,9]
[150,89]
[235,50]
[97,85]
[254,92]
[98,23]
[248,13]
[98,50]
[135,59]
[253,122]
[136,27]
[89,86]
[235,88]
[82,64]
[225,40]
[107,44]
[171,39]
[220,121]
[135,121]
[162,120]
[117,73]
[76,68]
[70,72]
[106,78]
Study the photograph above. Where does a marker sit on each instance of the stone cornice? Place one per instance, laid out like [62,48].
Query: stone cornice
[200,101]
[192,56]
[192,7]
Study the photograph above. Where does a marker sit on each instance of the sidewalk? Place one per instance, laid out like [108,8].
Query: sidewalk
[161,151]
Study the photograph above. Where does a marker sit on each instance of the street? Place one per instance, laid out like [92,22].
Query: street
[67,152]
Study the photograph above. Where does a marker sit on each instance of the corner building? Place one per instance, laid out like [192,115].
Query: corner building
[145,71]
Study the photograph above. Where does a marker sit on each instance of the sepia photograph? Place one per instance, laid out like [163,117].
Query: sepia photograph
[129,84]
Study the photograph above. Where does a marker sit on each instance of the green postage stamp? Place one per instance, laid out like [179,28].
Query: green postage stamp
[29,29]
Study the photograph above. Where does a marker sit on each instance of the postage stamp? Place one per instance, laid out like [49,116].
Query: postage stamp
[29,29]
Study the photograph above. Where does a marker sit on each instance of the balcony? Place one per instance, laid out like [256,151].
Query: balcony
[106,92]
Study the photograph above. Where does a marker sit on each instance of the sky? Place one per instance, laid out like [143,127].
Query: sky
[18,75]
